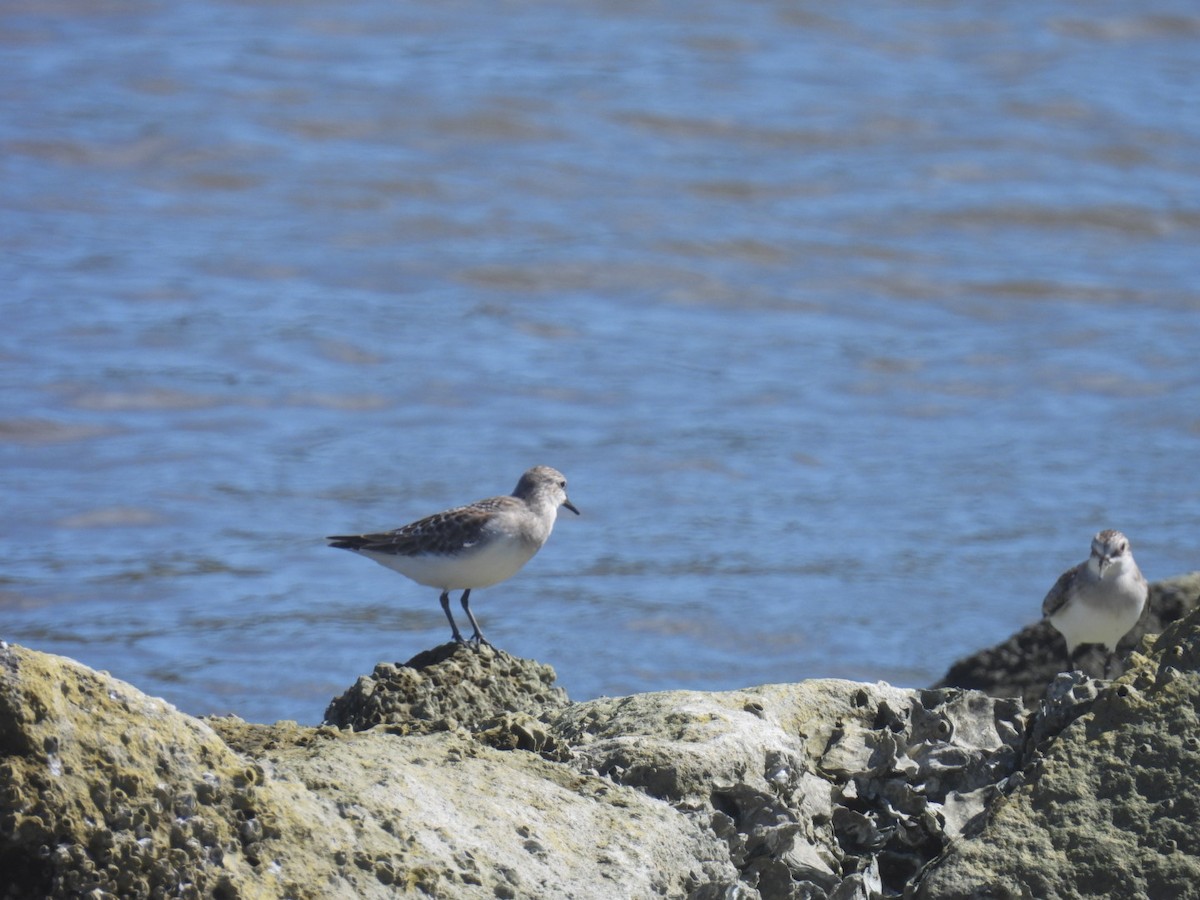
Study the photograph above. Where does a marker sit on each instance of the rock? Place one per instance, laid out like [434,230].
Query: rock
[106,789]
[468,774]
[1109,808]
[825,788]
[1068,696]
[1029,660]
[107,792]
[445,816]
[444,688]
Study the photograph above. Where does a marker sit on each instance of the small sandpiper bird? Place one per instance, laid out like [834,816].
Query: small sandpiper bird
[1099,600]
[471,546]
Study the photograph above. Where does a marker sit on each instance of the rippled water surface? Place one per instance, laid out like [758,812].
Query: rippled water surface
[848,326]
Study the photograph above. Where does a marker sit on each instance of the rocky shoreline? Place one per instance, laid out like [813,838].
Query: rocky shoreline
[469,774]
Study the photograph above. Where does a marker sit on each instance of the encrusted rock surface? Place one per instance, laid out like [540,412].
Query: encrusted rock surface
[824,788]
[1026,662]
[1110,807]
[444,688]
[109,793]
[467,774]
[827,788]
[103,788]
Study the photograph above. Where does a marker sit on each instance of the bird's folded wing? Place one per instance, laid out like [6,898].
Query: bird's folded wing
[1058,595]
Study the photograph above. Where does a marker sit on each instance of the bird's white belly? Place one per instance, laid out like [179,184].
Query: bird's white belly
[488,564]
[1105,623]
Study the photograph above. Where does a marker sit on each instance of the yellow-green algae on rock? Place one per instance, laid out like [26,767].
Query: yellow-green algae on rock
[107,789]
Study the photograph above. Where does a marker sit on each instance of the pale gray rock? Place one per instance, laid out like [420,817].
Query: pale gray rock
[824,788]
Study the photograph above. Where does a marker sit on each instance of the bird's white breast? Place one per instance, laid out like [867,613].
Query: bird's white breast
[1102,612]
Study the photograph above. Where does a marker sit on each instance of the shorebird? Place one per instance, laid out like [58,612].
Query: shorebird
[472,546]
[1099,600]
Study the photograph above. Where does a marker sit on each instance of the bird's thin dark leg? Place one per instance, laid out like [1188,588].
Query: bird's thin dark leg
[477,638]
[1108,663]
[458,638]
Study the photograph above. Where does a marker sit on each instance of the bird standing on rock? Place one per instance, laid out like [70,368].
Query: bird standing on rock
[1099,600]
[472,546]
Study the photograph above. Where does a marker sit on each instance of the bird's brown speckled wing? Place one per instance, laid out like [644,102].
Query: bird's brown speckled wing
[1061,591]
[444,533]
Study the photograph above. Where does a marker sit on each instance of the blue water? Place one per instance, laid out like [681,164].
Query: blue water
[849,328]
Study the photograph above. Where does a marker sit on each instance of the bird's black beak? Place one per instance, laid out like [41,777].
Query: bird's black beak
[571,506]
